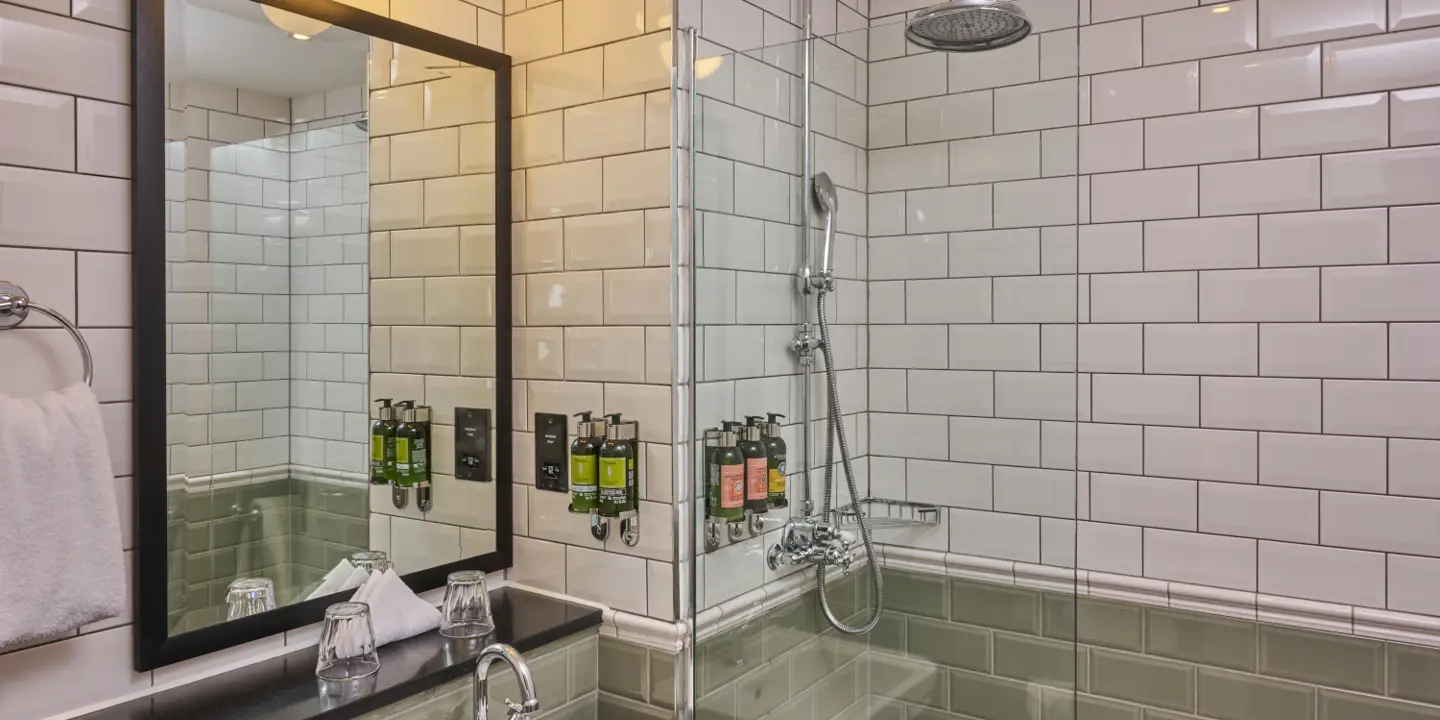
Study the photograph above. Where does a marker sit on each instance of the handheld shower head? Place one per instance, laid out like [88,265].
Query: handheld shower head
[825,198]
[828,202]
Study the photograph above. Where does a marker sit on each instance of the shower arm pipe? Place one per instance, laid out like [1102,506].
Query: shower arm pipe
[807,254]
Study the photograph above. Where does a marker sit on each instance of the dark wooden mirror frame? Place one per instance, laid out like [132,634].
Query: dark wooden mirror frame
[154,646]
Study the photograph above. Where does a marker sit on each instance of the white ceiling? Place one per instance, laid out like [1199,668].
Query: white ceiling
[230,42]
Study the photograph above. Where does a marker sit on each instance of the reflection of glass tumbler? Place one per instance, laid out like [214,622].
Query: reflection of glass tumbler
[370,560]
[250,596]
[347,643]
[466,613]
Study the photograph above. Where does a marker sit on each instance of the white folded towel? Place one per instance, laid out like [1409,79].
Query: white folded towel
[396,612]
[62,564]
[344,576]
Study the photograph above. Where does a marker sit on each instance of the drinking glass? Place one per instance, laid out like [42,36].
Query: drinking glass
[466,612]
[370,560]
[347,643]
[249,596]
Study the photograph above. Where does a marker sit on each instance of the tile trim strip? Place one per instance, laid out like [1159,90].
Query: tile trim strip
[1324,616]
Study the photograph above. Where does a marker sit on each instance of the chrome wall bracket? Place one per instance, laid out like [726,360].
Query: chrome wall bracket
[629,527]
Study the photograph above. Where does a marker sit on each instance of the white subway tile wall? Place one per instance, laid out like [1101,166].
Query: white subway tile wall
[1256,315]
[591,257]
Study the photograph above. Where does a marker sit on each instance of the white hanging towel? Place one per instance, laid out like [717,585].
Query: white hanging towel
[62,564]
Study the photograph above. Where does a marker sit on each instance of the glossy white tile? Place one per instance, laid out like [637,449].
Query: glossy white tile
[1203,32]
[1146,92]
[1383,62]
[1260,78]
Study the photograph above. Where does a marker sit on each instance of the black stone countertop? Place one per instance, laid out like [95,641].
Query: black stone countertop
[285,688]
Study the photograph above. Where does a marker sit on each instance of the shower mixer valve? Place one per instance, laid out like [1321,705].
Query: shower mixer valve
[812,542]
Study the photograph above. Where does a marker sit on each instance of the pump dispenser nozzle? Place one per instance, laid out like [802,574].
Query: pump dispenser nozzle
[614,418]
[773,416]
[753,420]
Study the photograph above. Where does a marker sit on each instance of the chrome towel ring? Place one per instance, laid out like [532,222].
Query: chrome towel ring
[15,306]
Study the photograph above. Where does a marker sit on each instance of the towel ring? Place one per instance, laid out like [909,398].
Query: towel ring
[15,306]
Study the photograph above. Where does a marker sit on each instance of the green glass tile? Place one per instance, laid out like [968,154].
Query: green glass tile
[1037,660]
[1064,705]
[924,713]
[889,634]
[225,564]
[984,696]
[1142,679]
[623,668]
[841,595]
[918,683]
[613,707]
[577,710]
[227,532]
[357,533]
[1099,622]
[1230,695]
[727,656]
[1330,660]
[1203,639]
[887,709]
[837,691]
[801,707]
[197,568]
[789,625]
[951,644]
[349,502]
[197,507]
[718,705]
[858,710]
[1153,714]
[584,667]
[197,537]
[994,606]
[662,679]
[223,503]
[917,594]
[1337,705]
[1414,673]
[762,690]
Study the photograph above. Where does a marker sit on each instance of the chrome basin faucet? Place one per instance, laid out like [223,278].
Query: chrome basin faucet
[499,652]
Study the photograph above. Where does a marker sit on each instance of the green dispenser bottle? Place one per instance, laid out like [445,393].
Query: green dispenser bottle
[775,455]
[757,468]
[412,452]
[726,479]
[585,464]
[382,444]
[617,468]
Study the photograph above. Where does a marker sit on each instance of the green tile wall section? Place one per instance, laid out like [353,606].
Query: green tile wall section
[291,531]
[566,676]
[952,649]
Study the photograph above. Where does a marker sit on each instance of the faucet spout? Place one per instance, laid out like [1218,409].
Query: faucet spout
[500,652]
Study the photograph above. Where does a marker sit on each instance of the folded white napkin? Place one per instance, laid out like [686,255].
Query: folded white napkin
[343,576]
[396,612]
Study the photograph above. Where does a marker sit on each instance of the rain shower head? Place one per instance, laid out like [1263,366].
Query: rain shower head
[968,26]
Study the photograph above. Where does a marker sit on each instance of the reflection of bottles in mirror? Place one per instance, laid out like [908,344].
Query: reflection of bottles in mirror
[249,596]
[585,464]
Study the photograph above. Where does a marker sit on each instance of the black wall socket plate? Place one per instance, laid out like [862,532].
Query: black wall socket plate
[472,444]
[552,472]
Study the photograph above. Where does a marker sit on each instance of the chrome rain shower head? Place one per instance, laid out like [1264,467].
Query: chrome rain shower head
[968,26]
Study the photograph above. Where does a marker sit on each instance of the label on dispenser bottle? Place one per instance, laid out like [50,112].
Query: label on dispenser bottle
[732,486]
[777,478]
[612,480]
[757,486]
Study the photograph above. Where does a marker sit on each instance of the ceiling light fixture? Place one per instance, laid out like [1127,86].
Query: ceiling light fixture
[296,26]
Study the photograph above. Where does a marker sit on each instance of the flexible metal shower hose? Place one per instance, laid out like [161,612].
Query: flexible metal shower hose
[837,430]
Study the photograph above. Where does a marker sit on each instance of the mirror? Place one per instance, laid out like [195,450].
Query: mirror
[332,228]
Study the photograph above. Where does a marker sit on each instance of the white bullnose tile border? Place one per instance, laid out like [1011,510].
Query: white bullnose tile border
[1326,617]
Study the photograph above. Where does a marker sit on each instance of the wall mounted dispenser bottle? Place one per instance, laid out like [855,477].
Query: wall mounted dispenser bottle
[619,472]
[585,464]
[725,486]
[382,444]
[757,474]
[775,452]
[412,456]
